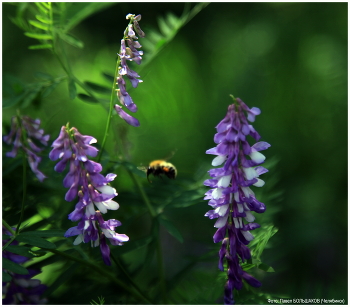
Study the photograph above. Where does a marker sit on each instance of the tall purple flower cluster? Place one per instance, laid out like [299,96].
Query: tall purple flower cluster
[230,195]
[85,181]
[129,53]
[23,131]
[22,289]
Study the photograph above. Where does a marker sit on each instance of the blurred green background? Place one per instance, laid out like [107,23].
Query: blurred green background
[288,59]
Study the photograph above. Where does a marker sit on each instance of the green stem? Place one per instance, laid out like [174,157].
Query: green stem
[103,272]
[8,227]
[24,192]
[111,102]
[142,192]
[161,265]
[126,274]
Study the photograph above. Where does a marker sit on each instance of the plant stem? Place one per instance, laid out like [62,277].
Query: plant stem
[161,264]
[103,272]
[126,274]
[24,192]
[142,192]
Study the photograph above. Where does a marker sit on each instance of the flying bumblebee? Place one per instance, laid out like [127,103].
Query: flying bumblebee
[160,167]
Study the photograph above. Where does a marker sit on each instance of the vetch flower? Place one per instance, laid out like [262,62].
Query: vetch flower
[92,189]
[230,195]
[130,53]
[22,289]
[24,131]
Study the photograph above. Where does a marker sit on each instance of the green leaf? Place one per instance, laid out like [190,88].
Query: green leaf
[171,229]
[47,91]
[42,46]
[41,8]
[77,12]
[135,244]
[43,19]
[37,35]
[98,88]
[45,233]
[30,96]
[71,40]
[13,267]
[38,25]
[19,250]
[266,268]
[12,101]
[134,169]
[108,77]
[35,241]
[87,98]
[6,277]
[42,76]
[72,89]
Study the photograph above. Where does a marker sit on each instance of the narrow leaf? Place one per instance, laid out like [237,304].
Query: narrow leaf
[41,8]
[38,36]
[135,244]
[43,19]
[38,25]
[71,40]
[35,241]
[19,250]
[108,77]
[43,46]
[13,267]
[171,229]
[266,268]
[87,98]
[6,277]
[42,75]
[12,101]
[98,88]
[45,233]
[72,89]
[30,96]
[47,91]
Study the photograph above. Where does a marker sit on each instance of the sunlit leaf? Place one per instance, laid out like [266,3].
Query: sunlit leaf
[71,40]
[43,19]
[38,35]
[38,25]
[43,46]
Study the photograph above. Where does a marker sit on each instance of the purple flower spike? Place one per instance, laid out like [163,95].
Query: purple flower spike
[130,53]
[24,130]
[85,180]
[230,196]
